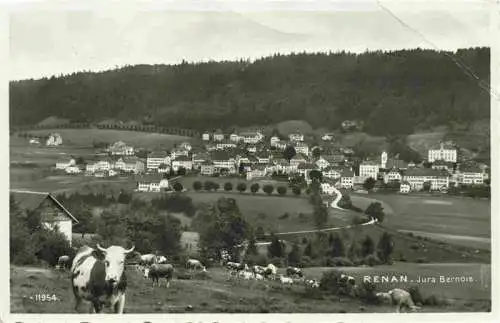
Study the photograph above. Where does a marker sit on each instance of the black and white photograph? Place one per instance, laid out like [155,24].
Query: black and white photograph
[250,160]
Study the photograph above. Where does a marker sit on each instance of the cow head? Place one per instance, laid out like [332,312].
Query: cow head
[114,262]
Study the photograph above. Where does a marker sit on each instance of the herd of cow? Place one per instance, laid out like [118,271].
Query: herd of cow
[98,276]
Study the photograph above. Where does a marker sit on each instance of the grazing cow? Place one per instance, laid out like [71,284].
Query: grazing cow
[195,264]
[384,297]
[402,299]
[237,266]
[63,262]
[161,260]
[258,276]
[312,283]
[246,275]
[258,269]
[157,271]
[271,270]
[147,259]
[286,280]
[294,272]
[102,282]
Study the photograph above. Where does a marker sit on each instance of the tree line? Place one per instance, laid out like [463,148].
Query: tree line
[411,88]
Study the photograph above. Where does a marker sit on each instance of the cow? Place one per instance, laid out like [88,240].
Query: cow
[63,262]
[312,283]
[161,260]
[246,275]
[294,272]
[286,280]
[271,270]
[258,269]
[147,259]
[402,299]
[258,276]
[102,282]
[157,271]
[195,264]
[236,266]
[349,284]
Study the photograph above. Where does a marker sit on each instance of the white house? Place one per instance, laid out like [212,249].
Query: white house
[322,163]
[281,145]
[274,141]
[54,139]
[296,136]
[368,169]
[222,160]
[297,160]
[176,152]
[151,184]
[103,165]
[65,163]
[205,136]
[182,161]
[53,214]
[327,137]
[234,137]
[405,187]
[156,158]
[444,165]
[256,172]
[332,173]
[301,148]
[73,170]
[185,146]
[416,177]
[470,176]
[130,165]
[225,144]
[444,152]
[120,148]
[393,175]
[207,168]
[251,137]
[164,169]
[347,179]
[218,135]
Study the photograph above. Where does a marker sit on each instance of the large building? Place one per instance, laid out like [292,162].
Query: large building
[443,152]
[416,177]
[53,213]
[120,148]
[156,158]
[368,169]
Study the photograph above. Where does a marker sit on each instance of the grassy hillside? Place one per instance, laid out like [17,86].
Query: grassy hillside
[412,88]
[218,295]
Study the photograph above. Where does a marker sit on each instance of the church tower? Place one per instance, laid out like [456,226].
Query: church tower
[383,160]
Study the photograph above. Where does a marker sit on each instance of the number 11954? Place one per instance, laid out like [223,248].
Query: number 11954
[45,298]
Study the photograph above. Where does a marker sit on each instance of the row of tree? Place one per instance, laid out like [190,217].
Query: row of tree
[242,187]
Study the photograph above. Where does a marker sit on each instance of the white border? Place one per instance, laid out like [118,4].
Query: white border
[241,6]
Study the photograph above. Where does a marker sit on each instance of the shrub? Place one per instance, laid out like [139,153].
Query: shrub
[268,189]
[254,188]
[178,187]
[366,292]
[340,262]
[296,190]
[371,260]
[306,261]
[197,186]
[228,187]
[282,190]
[241,187]
[330,281]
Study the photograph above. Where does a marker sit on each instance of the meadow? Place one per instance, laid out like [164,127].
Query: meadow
[217,294]
[86,137]
[462,221]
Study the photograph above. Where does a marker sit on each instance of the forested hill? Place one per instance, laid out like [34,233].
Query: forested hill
[392,92]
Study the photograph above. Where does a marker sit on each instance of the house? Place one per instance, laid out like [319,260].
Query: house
[73,170]
[296,136]
[393,175]
[281,165]
[322,163]
[443,165]
[207,168]
[234,137]
[218,135]
[252,149]
[53,214]
[368,169]
[119,148]
[351,125]
[387,162]
[301,148]
[100,166]
[199,159]
[297,160]
[151,183]
[258,171]
[305,168]
[130,165]
[185,146]
[470,175]
[205,136]
[156,158]
[444,152]
[164,169]
[416,177]
[251,137]
[347,179]
[222,161]
[263,157]
[54,139]
[331,172]
[274,141]
[404,187]
[112,173]
[328,137]
[182,161]
[176,152]
[225,144]
[65,163]
[328,187]
[281,145]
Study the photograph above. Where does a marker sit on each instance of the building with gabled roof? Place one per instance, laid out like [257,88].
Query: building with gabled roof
[53,213]
[438,179]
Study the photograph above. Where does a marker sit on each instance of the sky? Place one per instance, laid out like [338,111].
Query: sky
[52,41]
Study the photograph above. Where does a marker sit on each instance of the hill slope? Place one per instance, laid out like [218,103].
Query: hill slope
[412,88]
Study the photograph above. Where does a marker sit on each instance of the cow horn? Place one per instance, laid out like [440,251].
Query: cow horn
[101,248]
[130,250]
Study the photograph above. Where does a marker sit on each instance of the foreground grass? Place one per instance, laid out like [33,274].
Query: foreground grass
[213,295]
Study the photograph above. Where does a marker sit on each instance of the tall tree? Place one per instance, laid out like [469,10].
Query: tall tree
[289,153]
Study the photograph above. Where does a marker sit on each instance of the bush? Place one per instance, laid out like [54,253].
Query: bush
[306,261]
[228,187]
[241,187]
[296,190]
[339,262]
[330,281]
[197,186]
[254,188]
[366,292]
[178,187]
[371,260]
[268,189]
[282,190]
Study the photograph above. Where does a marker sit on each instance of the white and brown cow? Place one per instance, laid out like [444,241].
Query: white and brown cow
[402,299]
[195,264]
[100,279]
[147,259]
[157,271]
[294,272]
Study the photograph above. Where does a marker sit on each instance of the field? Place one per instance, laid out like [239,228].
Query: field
[86,137]
[216,294]
[458,220]
[266,210]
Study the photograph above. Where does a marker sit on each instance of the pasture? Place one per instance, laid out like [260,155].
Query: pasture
[216,294]
[269,211]
[86,137]
[461,221]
